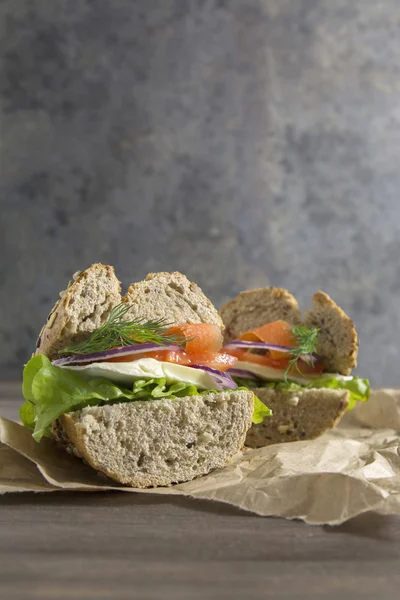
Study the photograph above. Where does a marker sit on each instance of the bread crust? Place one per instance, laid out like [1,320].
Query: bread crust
[338,340]
[61,328]
[171,296]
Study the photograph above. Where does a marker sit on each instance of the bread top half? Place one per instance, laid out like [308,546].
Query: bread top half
[337,339]
[91,295]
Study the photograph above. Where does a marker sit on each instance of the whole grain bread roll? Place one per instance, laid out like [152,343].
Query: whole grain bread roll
[153,442]
[311,412]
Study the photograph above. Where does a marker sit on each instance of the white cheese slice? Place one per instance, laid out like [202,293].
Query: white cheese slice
[144,368]
[270,374]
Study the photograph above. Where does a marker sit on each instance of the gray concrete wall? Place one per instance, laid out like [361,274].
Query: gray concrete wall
[243,142]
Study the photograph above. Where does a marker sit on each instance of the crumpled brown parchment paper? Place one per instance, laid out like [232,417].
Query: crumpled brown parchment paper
[348,471]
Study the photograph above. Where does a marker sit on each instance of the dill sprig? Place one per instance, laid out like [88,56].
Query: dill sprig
[306,342]
[117,332]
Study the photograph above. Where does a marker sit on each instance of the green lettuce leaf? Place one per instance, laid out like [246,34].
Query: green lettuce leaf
[260,411]
[248,383]
[359,388]
[27,414]
[50,391]
[31,369]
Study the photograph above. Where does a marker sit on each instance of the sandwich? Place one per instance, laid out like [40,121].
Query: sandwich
[298,366]
[136,385]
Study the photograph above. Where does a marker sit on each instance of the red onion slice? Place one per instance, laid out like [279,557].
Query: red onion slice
[243,374]
[123,351]
[222,379]
[241,344]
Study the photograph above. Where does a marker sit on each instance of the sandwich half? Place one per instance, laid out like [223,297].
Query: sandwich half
[299,366]
[136,385]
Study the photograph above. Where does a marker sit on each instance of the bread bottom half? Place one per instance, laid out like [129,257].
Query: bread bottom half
[159,442]
[297,416]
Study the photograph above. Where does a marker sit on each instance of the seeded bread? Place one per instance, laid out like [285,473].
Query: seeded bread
[173,297]
[308,414]
[91,295]
[155,442]
[337,338]
[254,308]
[159,442]
[82,308]
[297,416]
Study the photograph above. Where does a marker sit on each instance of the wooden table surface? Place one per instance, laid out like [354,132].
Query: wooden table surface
[117,545]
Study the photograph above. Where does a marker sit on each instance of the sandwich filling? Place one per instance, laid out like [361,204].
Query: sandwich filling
[124,361]
[278,355]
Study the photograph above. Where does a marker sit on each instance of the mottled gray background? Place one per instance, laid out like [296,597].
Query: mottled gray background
[243,142]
